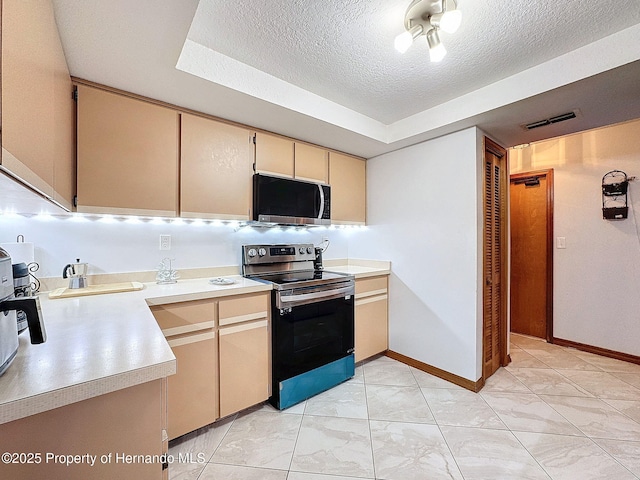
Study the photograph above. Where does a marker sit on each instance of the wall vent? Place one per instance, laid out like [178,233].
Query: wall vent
[548,121]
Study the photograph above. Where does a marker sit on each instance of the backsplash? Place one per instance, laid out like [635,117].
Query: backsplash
[114,245]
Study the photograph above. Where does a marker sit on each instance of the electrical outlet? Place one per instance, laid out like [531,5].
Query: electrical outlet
[165,242]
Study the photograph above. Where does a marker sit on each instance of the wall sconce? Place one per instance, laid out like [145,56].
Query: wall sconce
[428,17]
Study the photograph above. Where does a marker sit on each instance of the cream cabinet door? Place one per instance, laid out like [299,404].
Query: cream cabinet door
[192,393]
[371,317]
[244,365]
[37,104]
[311,163]
[245,347]
[216,169]
[127,155]
[274,155]
[347,177]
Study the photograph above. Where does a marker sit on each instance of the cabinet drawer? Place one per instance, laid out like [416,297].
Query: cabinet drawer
[243,308]
[185,317]
[366,287]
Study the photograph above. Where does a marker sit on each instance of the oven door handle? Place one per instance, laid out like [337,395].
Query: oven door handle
[316,296]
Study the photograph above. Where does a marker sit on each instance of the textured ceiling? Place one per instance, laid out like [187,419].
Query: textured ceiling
[343,50]
[326,71]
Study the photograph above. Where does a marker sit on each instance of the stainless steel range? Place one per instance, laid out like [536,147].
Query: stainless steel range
[312,320]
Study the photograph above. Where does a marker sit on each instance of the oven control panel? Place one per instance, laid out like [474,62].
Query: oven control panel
[256,254]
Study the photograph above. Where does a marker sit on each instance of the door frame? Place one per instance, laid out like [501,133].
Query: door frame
[489,146]
[548,174]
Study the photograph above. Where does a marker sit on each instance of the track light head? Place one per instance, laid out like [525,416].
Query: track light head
[428,17]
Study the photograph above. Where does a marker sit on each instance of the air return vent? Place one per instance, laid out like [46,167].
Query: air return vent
[548,121]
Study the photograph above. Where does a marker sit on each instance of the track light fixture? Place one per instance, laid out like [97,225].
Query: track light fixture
[428,17]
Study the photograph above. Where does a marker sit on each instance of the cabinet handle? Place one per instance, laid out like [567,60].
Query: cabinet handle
[178,342]
[241,328]
[366,300]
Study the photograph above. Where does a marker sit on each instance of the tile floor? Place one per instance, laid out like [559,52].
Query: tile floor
[554,413]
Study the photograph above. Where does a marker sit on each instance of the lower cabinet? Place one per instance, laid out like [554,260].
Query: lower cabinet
[222,349]
[371,317]
[244,352]
[244,366]
[192,397]
[192,393]
[111,428]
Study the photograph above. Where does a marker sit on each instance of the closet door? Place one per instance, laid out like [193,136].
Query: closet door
[495,264]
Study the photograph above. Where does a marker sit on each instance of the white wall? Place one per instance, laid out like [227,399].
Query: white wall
[121,246]
[422,214]
[597,276]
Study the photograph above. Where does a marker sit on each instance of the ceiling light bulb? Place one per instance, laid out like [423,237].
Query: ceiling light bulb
[404,40]
[451,21]
[437,53]
[436,49]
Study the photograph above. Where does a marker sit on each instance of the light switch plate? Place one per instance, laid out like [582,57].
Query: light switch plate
[561,242]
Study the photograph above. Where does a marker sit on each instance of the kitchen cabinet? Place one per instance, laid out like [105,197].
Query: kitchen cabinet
[125,422]
[216,169]
[274,155]
[244,352]
[127,155]
[347,177]
[311,163]
[222,349]
[192,396]
[371,316]
[37,103]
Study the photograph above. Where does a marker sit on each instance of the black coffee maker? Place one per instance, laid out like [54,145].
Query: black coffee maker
[9,306]
[317,262]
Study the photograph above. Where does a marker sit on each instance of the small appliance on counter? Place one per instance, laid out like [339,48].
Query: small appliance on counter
[9,305]
[21,288]
[76,273]
[317,262]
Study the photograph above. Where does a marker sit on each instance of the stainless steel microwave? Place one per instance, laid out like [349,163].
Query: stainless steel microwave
[290,202]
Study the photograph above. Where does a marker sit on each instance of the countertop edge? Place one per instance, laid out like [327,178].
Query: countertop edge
[43,402]
[204,295]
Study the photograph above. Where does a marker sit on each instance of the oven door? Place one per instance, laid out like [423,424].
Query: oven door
[311,335]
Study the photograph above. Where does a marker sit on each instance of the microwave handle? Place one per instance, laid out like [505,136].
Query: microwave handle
[321,197]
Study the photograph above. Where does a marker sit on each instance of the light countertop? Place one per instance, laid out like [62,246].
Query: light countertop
[99,344]
[359,268]
[102,343]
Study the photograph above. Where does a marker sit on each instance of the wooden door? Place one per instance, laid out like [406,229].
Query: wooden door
[495,264]
[531,210]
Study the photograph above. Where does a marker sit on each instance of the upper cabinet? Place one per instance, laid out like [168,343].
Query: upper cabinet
[311,163]
[274,155]
[141,157]
[37,103]
[282,157]
[127,155]
[216,169]
[347,177]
